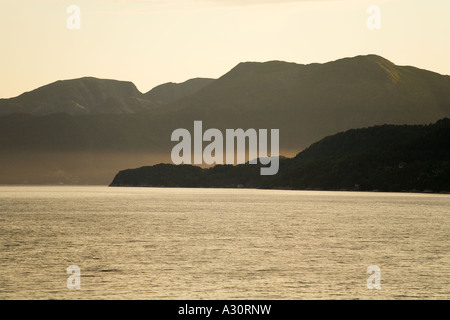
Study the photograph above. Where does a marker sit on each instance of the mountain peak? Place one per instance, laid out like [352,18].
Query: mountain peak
[364,62]
[87,95]
[261,67]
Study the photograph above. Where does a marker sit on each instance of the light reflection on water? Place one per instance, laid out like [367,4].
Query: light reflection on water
[150,243]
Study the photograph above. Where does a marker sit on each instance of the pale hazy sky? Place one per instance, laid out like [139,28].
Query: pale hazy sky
[150,42]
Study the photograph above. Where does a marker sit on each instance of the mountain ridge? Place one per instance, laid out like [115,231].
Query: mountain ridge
[170,92]
[87,95]
[91,95]
[263,94]
[305,102]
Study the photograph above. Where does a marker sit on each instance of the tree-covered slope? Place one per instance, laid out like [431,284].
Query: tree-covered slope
[384,158]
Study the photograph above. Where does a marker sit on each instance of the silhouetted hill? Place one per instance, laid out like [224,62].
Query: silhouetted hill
[384,158]
[79,96]
[188,176]
[171,92]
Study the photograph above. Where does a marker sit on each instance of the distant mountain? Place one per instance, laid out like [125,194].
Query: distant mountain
[308,102]
[98,96]
[79,96]
[382,158]
[305,102]
[171,92]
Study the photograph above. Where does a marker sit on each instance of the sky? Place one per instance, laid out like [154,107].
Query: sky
[150,42]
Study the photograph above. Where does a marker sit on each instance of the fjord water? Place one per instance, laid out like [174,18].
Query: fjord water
[151,243]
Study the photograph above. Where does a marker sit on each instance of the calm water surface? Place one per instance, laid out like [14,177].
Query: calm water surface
[149,243]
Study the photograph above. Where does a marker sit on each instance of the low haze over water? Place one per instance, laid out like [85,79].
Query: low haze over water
[156,243]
